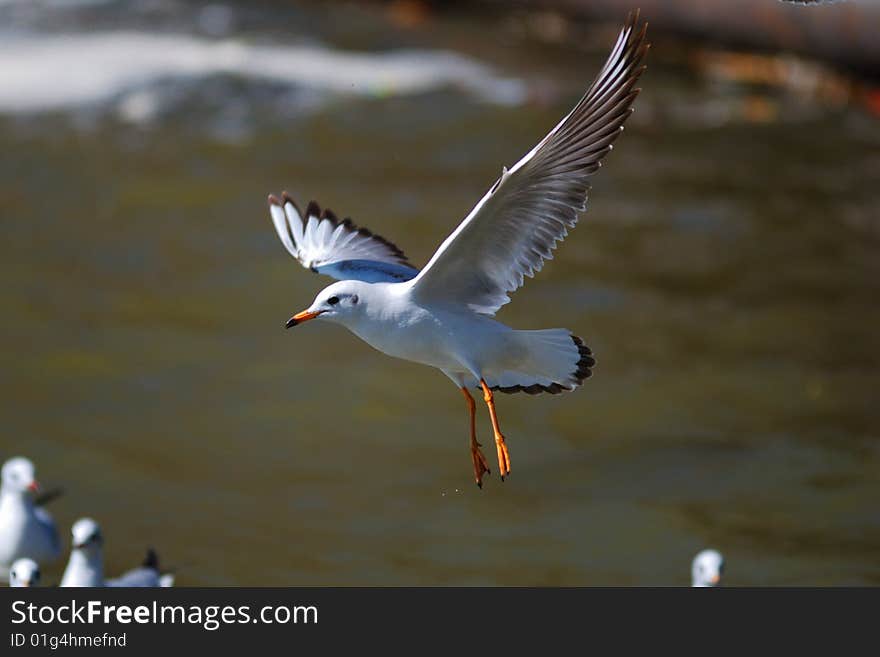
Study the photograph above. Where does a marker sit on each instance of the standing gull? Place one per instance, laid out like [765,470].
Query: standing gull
[86,565]
[707,568]
[26,530]
[24,573]
[442,315]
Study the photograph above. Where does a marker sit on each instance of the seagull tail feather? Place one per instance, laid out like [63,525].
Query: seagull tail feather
[549,360]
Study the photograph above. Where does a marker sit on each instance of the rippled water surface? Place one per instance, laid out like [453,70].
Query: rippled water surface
[726,275]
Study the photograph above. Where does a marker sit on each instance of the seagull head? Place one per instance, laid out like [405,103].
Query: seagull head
[707,568]
[24,572]
[86,535]
[341,302]
[18,476]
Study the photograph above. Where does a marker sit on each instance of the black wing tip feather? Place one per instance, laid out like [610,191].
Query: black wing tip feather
[284,200]
[287,198]
[632,20]
[634,50]
[608,103]
[327,213]
[48,496]
[151,560]
[584,370]
[313,209]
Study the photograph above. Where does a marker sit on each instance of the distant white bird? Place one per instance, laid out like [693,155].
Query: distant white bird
[86,565]
[26,530]
[707,569]
[441,316]
[24,572]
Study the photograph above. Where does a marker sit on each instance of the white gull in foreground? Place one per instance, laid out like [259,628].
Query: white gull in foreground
[86,565]
[26,530]
[24,572]
[707,568]
[442,315]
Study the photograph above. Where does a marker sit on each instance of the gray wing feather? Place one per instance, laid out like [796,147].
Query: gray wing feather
[140,577]
[48,524]
[369,271]
[145,576]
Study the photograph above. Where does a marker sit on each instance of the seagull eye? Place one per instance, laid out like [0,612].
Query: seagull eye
[333,301]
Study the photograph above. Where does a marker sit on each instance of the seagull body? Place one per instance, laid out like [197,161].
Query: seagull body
[146,575]
[24,573]
[26,530]
[706,569]
[390,319]
[442,316]
[86,565]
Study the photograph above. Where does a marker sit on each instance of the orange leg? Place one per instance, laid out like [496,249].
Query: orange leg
[500,445]
[481,467]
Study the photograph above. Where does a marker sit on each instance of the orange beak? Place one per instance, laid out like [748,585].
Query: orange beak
[304,316]
[34,486]
[715,579]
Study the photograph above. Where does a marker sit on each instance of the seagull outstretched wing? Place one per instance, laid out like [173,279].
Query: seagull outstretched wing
[531,207]
[337,248]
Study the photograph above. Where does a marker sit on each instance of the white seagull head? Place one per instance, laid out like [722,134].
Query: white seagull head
[87,536]
[343,302]
[18,476]
[24,572]
[707,569]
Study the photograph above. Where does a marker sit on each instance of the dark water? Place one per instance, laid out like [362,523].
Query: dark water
[726,275]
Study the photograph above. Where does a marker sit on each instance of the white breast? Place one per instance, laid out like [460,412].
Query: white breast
[450,339]
[408,332]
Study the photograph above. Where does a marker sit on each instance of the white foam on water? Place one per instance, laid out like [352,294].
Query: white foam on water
[47,72]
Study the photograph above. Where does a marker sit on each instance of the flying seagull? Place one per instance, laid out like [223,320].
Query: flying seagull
[442,315]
